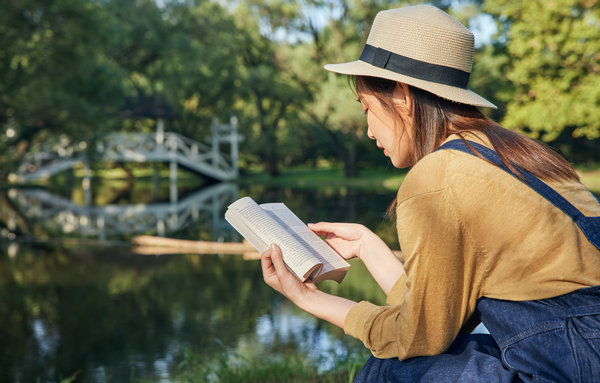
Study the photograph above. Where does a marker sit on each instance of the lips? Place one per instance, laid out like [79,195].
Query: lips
[384,151]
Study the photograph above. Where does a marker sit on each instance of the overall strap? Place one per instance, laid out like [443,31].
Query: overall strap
[590,226]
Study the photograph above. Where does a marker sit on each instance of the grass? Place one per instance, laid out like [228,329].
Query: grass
[389,179]
[300,177]
[230,367]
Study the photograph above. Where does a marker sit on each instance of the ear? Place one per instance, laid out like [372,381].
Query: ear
[403,97]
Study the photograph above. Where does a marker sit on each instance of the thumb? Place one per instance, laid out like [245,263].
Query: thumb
[280,267]
[277,257]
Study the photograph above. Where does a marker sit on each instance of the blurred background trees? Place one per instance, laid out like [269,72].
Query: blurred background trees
[73,68]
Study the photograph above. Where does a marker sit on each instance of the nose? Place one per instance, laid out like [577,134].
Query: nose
[369,133]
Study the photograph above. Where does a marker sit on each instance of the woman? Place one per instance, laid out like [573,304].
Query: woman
[493,226]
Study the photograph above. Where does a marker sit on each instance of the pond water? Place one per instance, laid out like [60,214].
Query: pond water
[77,300]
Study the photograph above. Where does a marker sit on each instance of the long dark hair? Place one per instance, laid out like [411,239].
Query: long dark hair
[436,118]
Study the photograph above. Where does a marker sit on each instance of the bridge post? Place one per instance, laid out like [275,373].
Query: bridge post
[173,183]
[214,141]
[160,131]
[86,184]
[155,179]
[234,140]
[101,228]
[172,144]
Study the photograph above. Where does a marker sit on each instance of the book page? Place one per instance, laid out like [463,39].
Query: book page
[319,249]
[233,217]
[265,230]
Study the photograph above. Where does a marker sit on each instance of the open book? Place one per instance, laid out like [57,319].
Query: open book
[304,252]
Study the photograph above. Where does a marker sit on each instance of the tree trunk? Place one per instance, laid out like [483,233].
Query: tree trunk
[271,162]
[350,168]
[345,149]
[271,146]
[269,140]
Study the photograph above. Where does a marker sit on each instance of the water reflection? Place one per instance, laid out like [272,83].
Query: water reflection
[61,215]
[109,315]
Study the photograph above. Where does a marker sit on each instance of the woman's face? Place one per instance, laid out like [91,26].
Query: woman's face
[392,134]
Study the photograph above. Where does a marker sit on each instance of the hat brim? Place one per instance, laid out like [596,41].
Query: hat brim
[361,68]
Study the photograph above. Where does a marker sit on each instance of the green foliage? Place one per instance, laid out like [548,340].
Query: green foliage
[53,77]
[74,67]
[231,367]
[554,71]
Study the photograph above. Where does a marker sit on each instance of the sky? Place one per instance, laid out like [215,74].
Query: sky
[482,26]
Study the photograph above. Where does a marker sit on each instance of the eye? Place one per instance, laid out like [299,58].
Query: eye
[365,109]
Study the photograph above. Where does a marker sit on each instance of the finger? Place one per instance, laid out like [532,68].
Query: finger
[323,228]
[277,258]
[269,273]
[280,267]
[266,261]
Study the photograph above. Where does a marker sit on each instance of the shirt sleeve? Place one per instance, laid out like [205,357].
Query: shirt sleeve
[428,307]
[396,294]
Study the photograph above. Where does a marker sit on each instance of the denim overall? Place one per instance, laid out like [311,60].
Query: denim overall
[548,340]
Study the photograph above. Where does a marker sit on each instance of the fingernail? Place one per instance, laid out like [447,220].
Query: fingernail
[273,247]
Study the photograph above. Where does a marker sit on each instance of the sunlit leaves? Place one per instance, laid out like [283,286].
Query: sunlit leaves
[553,48]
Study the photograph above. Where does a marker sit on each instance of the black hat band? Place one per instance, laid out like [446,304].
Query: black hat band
[407,66]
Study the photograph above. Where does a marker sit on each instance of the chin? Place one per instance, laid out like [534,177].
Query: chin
[401,164]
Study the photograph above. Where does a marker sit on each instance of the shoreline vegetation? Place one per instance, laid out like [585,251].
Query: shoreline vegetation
[231,367]
[297,177]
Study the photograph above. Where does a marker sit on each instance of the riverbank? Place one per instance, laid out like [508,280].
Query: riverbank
[389,179]
[302,177]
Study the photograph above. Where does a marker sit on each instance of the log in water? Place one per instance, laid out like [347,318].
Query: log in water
[147,244]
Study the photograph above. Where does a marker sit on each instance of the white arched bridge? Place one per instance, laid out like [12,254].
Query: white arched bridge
[51,158]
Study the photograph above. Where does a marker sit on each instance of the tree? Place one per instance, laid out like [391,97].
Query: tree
[554,70]
[182,52]
[69,67]
[53,78]
[333,106]
[270,98]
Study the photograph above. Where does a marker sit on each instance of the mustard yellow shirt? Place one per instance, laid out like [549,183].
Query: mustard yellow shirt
[468,229]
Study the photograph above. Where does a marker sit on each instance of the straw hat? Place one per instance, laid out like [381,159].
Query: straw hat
[421,46]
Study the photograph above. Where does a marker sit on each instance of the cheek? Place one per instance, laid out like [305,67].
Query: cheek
[402,147]
[380,129]
[372,121]
[405,148]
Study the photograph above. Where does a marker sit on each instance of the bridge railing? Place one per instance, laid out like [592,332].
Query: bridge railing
[59,215]
[50,158]
[50,154]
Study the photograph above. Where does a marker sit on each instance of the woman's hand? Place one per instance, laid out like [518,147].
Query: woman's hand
[305,295]
[354,240]
[277,275]
[345,238]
